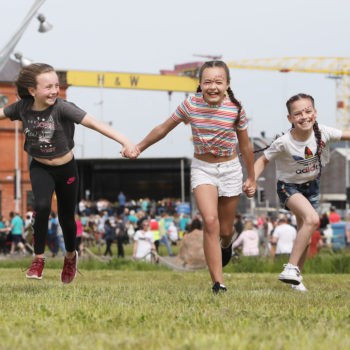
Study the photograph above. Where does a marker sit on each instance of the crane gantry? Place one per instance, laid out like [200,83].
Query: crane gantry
[184,77]
[336,67]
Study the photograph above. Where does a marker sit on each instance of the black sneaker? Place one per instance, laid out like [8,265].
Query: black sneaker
[217,287]
[226,254]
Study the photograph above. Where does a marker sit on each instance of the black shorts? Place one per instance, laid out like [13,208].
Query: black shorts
[16,238]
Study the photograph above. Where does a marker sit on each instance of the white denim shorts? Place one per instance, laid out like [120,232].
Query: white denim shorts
[226,176]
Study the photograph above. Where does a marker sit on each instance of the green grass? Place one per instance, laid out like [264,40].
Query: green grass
[107,309]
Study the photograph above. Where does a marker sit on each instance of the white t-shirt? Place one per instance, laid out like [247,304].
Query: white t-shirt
[296,162]
[144,245]
[286,235]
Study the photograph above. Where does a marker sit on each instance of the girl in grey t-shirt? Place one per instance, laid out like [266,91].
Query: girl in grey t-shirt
[48,125]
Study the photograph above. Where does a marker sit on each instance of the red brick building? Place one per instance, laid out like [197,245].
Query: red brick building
[8,154]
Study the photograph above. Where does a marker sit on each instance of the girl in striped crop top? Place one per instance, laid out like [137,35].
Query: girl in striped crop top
[218,122]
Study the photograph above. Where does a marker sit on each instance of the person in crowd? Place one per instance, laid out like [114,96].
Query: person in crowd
[173,233]
[154,226]
[17,231]
[184,220]
[300,155]
[144,247]
[283,237]
[238,224]
[60,239]
[347,232]
[315,244]
[48,125]
[82,207]
[122,236]
[191,253]
[52,240]
[79,237]
[109,236]
[121,201]
[163,224]
[4,230]
[324,222]
[333,217]
[249,238]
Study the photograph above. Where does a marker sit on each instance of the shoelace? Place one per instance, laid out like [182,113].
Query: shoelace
[36,263]
[292,267]
[70,266]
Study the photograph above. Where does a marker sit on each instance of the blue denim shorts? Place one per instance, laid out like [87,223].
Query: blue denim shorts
[310,190]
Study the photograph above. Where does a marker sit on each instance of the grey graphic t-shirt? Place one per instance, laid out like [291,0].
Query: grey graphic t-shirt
[48,133]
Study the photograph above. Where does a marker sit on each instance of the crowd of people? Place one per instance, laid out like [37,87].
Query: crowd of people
[134,223]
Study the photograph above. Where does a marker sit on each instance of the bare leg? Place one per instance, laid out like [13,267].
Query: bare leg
[305,253]
[308,221]
[227,211]
[207,202]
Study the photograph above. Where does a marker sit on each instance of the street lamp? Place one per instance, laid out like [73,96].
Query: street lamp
[5,54]
[7,50]
[44,25]
[22,60]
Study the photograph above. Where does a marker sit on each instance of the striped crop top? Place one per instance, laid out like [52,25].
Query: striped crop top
[212,126]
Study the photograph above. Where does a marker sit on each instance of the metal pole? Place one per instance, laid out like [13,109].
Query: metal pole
[17,171]
[101,81]
[182,164]
[6,51]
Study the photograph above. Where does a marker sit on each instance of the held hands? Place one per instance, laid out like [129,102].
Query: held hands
[249,187]
[130,151]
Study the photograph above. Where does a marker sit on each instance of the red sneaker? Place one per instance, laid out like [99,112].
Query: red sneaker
[36,269]
[69,270]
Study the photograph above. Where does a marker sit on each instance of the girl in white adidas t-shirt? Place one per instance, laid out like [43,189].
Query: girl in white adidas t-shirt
[300,155]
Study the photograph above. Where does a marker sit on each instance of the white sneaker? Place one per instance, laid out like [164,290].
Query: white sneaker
[300,287]
[290,274]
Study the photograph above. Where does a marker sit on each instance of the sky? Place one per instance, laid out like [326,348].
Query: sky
[147,36]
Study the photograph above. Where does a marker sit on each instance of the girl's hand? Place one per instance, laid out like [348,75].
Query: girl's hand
[130,151]
[249,187]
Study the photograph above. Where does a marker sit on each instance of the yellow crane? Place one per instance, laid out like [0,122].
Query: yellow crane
[135,81]
[336,67]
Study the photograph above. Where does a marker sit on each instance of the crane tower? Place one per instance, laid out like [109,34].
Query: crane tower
[335,67]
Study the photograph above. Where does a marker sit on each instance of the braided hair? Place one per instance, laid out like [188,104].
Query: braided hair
[317,131]
[211,64]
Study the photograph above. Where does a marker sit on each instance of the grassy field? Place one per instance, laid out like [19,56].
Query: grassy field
[109,309]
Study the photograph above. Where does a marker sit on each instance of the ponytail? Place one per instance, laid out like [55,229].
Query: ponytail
[320,145]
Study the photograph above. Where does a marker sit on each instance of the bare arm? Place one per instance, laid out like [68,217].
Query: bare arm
[345,135]
[259,166]
[157,134]
[106,130]
[249,186]
[154,251]
[2,114]
[238,241]
[135,249]
[347,234]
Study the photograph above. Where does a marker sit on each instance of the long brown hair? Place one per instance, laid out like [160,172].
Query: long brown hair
[211,64]
[27,78]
